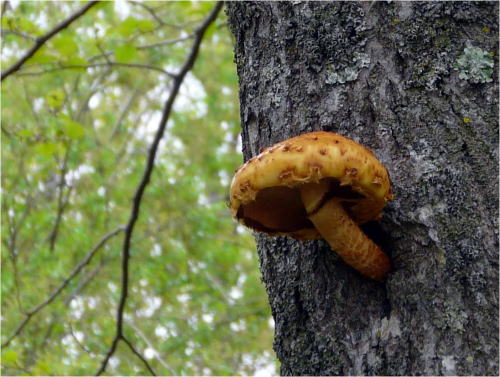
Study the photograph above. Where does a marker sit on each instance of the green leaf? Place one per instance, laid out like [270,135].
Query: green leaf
[26,133]
[65,45]
[145,25]
[43,57]
[9,357]
[10,22]
[43,368]
[55,98]
[209,33]
[75,60]
[197,9]
[101,4]
[127,27]
[28,26]
[131,24]
[74,129]
[77,63]
[125,53]
[47,149]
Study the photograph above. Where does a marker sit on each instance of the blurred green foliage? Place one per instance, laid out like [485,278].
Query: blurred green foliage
[77,121]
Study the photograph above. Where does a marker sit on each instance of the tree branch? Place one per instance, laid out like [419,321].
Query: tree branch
[177,82]
[44,38]
[93,65]
[65,283]
[137,353]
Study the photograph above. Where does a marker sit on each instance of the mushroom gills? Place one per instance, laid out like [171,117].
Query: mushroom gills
[276,209]
[281,208]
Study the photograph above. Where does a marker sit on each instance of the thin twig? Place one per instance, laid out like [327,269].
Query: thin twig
[54,320]
[18,33]
[84,107]
[13,258]
[167,42]
[123,113]
[83,283]
[137,353]
[150,345]
[75,338]
[61,201]
[122,151]
[187,335]
[104,54]
[150,10]
[5,5]
[65,283]
[143,47]
[44,38]
[29,99]
[94,65]
[177,82]
[95,86]
[6,131]
[14,227]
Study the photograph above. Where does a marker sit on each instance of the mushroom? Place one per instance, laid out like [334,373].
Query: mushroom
[316,185]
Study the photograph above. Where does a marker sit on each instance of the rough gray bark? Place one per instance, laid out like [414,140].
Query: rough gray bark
[413,82]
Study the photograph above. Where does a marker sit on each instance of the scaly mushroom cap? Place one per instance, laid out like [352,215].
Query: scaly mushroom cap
[264,192]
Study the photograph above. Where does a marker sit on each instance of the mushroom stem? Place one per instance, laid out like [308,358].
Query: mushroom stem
[312,194]
[344,235]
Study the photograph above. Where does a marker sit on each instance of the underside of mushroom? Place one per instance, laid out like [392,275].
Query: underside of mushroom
[341,232]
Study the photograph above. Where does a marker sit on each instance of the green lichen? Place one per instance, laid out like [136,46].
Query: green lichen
[475,65]
[349,73]
[441,256]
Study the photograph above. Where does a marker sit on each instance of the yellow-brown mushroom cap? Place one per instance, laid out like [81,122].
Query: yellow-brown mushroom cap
[265,192]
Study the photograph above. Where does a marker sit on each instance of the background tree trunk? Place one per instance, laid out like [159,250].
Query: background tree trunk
[413,82]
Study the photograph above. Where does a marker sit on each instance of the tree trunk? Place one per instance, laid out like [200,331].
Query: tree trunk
[414,82]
